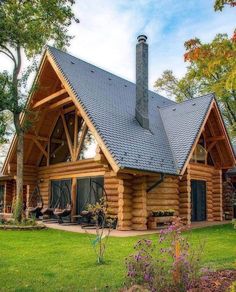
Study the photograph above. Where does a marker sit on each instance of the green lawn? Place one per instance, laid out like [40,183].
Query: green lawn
[51,260]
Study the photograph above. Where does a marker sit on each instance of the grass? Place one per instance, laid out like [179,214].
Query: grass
[51,260]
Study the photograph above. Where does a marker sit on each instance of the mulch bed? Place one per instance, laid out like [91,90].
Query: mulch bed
[219,281]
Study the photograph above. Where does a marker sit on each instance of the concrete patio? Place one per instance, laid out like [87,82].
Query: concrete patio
[118,233]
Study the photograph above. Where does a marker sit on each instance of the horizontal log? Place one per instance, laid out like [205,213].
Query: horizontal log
[139,220]
[139,205]
[139,200]
[139,213]
[139,227]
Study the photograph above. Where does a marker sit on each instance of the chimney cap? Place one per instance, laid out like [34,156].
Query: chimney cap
[142,38]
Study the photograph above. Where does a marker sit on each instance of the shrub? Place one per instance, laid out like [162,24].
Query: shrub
[167,265]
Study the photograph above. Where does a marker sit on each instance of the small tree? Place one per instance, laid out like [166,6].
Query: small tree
[26,26]
[211,68]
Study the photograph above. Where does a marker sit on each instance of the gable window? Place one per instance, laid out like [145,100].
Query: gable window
[59,150]
[199,154]
[89,146]
[71,140]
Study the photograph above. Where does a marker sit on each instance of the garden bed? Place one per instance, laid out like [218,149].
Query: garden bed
[21,228]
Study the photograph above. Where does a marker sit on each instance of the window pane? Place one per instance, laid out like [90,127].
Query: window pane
[59,150]
[60,193]
[89,147]
[89,191]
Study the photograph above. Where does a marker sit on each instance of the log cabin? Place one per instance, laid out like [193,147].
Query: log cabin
[148,152]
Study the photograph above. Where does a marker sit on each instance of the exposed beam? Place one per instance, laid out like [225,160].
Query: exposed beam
[217,146]
[30,147]
[41,138]
[67,136]
[68,109]
[31,136]
[49,98]
[58,104]
[75,136]
[41,147]
[215,138]
[211,146]
[84,132]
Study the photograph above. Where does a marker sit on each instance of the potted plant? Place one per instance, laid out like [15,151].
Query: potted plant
[160,217]
[163,213]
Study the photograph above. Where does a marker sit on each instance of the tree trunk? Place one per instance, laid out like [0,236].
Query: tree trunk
[20,158]
[18,208]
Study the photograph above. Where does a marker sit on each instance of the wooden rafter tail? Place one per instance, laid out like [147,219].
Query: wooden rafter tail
[67,136]
[79,148]
[49,98]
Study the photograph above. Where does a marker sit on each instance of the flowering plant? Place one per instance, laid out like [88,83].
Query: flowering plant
[166,265]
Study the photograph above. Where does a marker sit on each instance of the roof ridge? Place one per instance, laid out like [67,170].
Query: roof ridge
[104,70]
[212,95]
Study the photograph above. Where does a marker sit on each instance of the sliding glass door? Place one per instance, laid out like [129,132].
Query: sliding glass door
[89,191]
[60,193]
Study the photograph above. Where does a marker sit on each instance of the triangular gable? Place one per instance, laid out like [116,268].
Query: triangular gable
[109,101]
[49,118]
[186,122]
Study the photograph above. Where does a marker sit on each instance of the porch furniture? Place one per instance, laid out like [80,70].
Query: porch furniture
[60,213]
[35,204]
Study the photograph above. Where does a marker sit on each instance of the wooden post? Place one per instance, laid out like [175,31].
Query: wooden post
[27,199]
[73,197]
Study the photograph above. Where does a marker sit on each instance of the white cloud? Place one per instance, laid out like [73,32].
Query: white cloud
[107,33]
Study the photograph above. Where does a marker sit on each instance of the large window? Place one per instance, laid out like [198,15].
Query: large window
[59,150]
[71,140]
[89,146]
[60,193]
[89,191]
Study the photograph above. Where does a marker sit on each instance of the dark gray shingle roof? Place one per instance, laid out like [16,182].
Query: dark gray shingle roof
[109,101]
[182,124]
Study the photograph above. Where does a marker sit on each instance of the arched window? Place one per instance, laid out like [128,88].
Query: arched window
[199,154]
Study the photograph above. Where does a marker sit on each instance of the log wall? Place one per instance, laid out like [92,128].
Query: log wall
[10,190]
[165,196]
[217,195]
[213,179]
[139,203]
[185,197]
[125,192]
[82,168]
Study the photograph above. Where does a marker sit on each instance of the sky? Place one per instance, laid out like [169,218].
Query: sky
[107,33]
[108,29]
